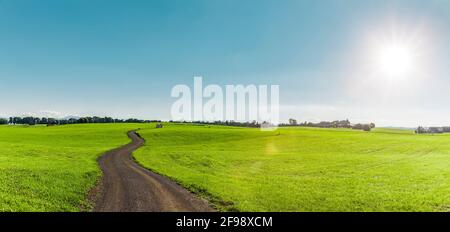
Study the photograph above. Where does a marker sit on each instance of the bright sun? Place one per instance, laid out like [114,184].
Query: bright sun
[395,61]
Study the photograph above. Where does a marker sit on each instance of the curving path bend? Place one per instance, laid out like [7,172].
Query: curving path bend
[128,187]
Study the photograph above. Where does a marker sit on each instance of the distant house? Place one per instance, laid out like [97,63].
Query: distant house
[159,125]
[292,122]
[343,124]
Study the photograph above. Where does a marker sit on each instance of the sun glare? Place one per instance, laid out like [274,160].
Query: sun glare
[395,61]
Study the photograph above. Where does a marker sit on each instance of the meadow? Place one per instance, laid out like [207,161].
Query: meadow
[237,169]
[304,169]
[53,168]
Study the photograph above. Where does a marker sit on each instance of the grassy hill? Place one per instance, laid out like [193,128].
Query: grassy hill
[304,169]
[292,169]
[52,168]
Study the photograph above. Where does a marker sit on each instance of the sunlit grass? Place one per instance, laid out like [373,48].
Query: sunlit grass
[304,169]
[292,169]
[53,168]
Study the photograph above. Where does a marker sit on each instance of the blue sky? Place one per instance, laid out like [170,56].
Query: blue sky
[121,58]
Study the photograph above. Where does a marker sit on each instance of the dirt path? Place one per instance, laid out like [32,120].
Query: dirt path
[126,186]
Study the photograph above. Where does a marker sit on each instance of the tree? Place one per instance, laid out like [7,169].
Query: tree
[366,127]
[17,120]
[52,121]
[44,121]
[421,130]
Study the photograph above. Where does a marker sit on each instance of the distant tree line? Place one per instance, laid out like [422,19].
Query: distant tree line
[432,130]
[252,124]
[54,121]
[333,124]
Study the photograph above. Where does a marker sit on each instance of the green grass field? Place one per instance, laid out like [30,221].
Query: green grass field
[53,168]
[304,169]
[292,169]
